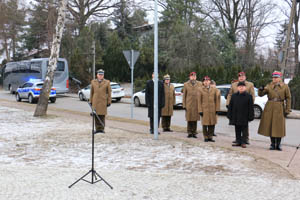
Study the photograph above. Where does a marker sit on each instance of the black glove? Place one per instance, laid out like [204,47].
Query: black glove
[201,114]
[217,112]
[108,105]
[91,114]
[227,106]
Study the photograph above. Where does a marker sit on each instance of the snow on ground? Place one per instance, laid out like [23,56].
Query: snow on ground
[40,157]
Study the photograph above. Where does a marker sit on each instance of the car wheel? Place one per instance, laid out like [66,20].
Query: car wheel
[257,112]
[118,99]
[18,97]
[137,102]
[30,98]
[10,89]
[52,99]
[81,97]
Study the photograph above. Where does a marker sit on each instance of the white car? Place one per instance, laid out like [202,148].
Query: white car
[139,97]
[259,103]
[117,92]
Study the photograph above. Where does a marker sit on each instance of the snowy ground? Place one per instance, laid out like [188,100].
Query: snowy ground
[41,157]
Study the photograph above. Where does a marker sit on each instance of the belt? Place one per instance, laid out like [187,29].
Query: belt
[276,100]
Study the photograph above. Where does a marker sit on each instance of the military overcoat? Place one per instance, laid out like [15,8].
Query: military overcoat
[190,100]
[170,100]
[272,123]
[209,104]
[100,96]
[234,89]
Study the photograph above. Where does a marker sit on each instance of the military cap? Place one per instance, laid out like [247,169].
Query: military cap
[241,74]
[100,71]
[276,74]
[167,77]
[193,74]
[206,78]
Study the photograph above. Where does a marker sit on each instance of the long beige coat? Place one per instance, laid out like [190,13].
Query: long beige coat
[100,96]
[190,100]
[234,89]
[209,104]
[170,100]
[272,123]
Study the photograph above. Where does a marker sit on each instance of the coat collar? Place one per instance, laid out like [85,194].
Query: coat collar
[280,85]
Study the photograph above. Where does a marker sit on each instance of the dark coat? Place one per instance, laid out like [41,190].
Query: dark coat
[240,110]
[149,97]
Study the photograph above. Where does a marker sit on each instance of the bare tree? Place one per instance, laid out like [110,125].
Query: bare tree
[41,108]
[258,16]
[82,10]
[228,13]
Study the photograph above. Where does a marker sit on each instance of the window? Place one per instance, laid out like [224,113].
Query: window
[40,85]
[179,89]
[224,91]
[36,67]
[27,85]
[115,86]
[60,67]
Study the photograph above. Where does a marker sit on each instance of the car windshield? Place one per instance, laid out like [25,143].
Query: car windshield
[115,86]
[40,85]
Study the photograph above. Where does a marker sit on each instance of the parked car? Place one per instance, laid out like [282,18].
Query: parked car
[139,97]
[259,103]
[117,92]
[31,90]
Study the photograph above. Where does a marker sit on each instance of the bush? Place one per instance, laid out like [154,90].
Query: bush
[295,91]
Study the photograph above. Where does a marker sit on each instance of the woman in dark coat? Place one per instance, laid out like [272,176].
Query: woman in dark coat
[240,112]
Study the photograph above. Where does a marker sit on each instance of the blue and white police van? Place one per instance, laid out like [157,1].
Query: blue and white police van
[31,90]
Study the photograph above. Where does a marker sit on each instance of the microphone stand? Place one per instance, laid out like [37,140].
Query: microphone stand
[293,155]
[95,177]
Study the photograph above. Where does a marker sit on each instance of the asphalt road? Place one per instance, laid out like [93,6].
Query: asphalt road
[123,109]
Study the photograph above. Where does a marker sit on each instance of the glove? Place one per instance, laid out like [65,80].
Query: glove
[217,112]
[201,114]
[262,87]
[227,106]
[108,105]
[91,114]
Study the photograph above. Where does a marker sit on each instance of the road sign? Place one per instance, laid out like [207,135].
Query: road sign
[129,58]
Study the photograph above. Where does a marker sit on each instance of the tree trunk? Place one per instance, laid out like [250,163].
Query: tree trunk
[296,35]
[41,108]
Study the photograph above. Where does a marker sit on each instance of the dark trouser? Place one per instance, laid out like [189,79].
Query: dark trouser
[208,131]
[275,142]
[192,127]
[151,123]
[99,126]
[166,122]
[241,133]
[247,134]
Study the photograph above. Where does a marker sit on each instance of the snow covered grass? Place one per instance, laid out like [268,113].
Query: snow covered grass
[139,167]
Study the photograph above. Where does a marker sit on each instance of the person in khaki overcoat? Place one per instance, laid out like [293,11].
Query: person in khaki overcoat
[272,123]
[191,90]
[234,89]
[208,108]
[100,98]
[214,85]
[167,110]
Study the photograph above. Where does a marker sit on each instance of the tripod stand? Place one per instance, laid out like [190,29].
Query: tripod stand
[95,177]
[293,155]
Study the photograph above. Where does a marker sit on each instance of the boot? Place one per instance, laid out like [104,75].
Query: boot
[272,146]
[278,145]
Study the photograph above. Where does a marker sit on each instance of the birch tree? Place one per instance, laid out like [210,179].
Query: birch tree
[41,108]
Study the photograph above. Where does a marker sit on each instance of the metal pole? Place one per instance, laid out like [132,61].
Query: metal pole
[132,66]
[155,74]
[94,58]
[288,37]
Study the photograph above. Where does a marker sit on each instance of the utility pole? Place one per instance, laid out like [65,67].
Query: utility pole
[155,123]
[284,51]
[94,58]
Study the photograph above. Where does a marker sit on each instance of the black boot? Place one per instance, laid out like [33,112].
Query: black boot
[278,145]
[272,146]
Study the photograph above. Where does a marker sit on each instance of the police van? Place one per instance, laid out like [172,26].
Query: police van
[31,90]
